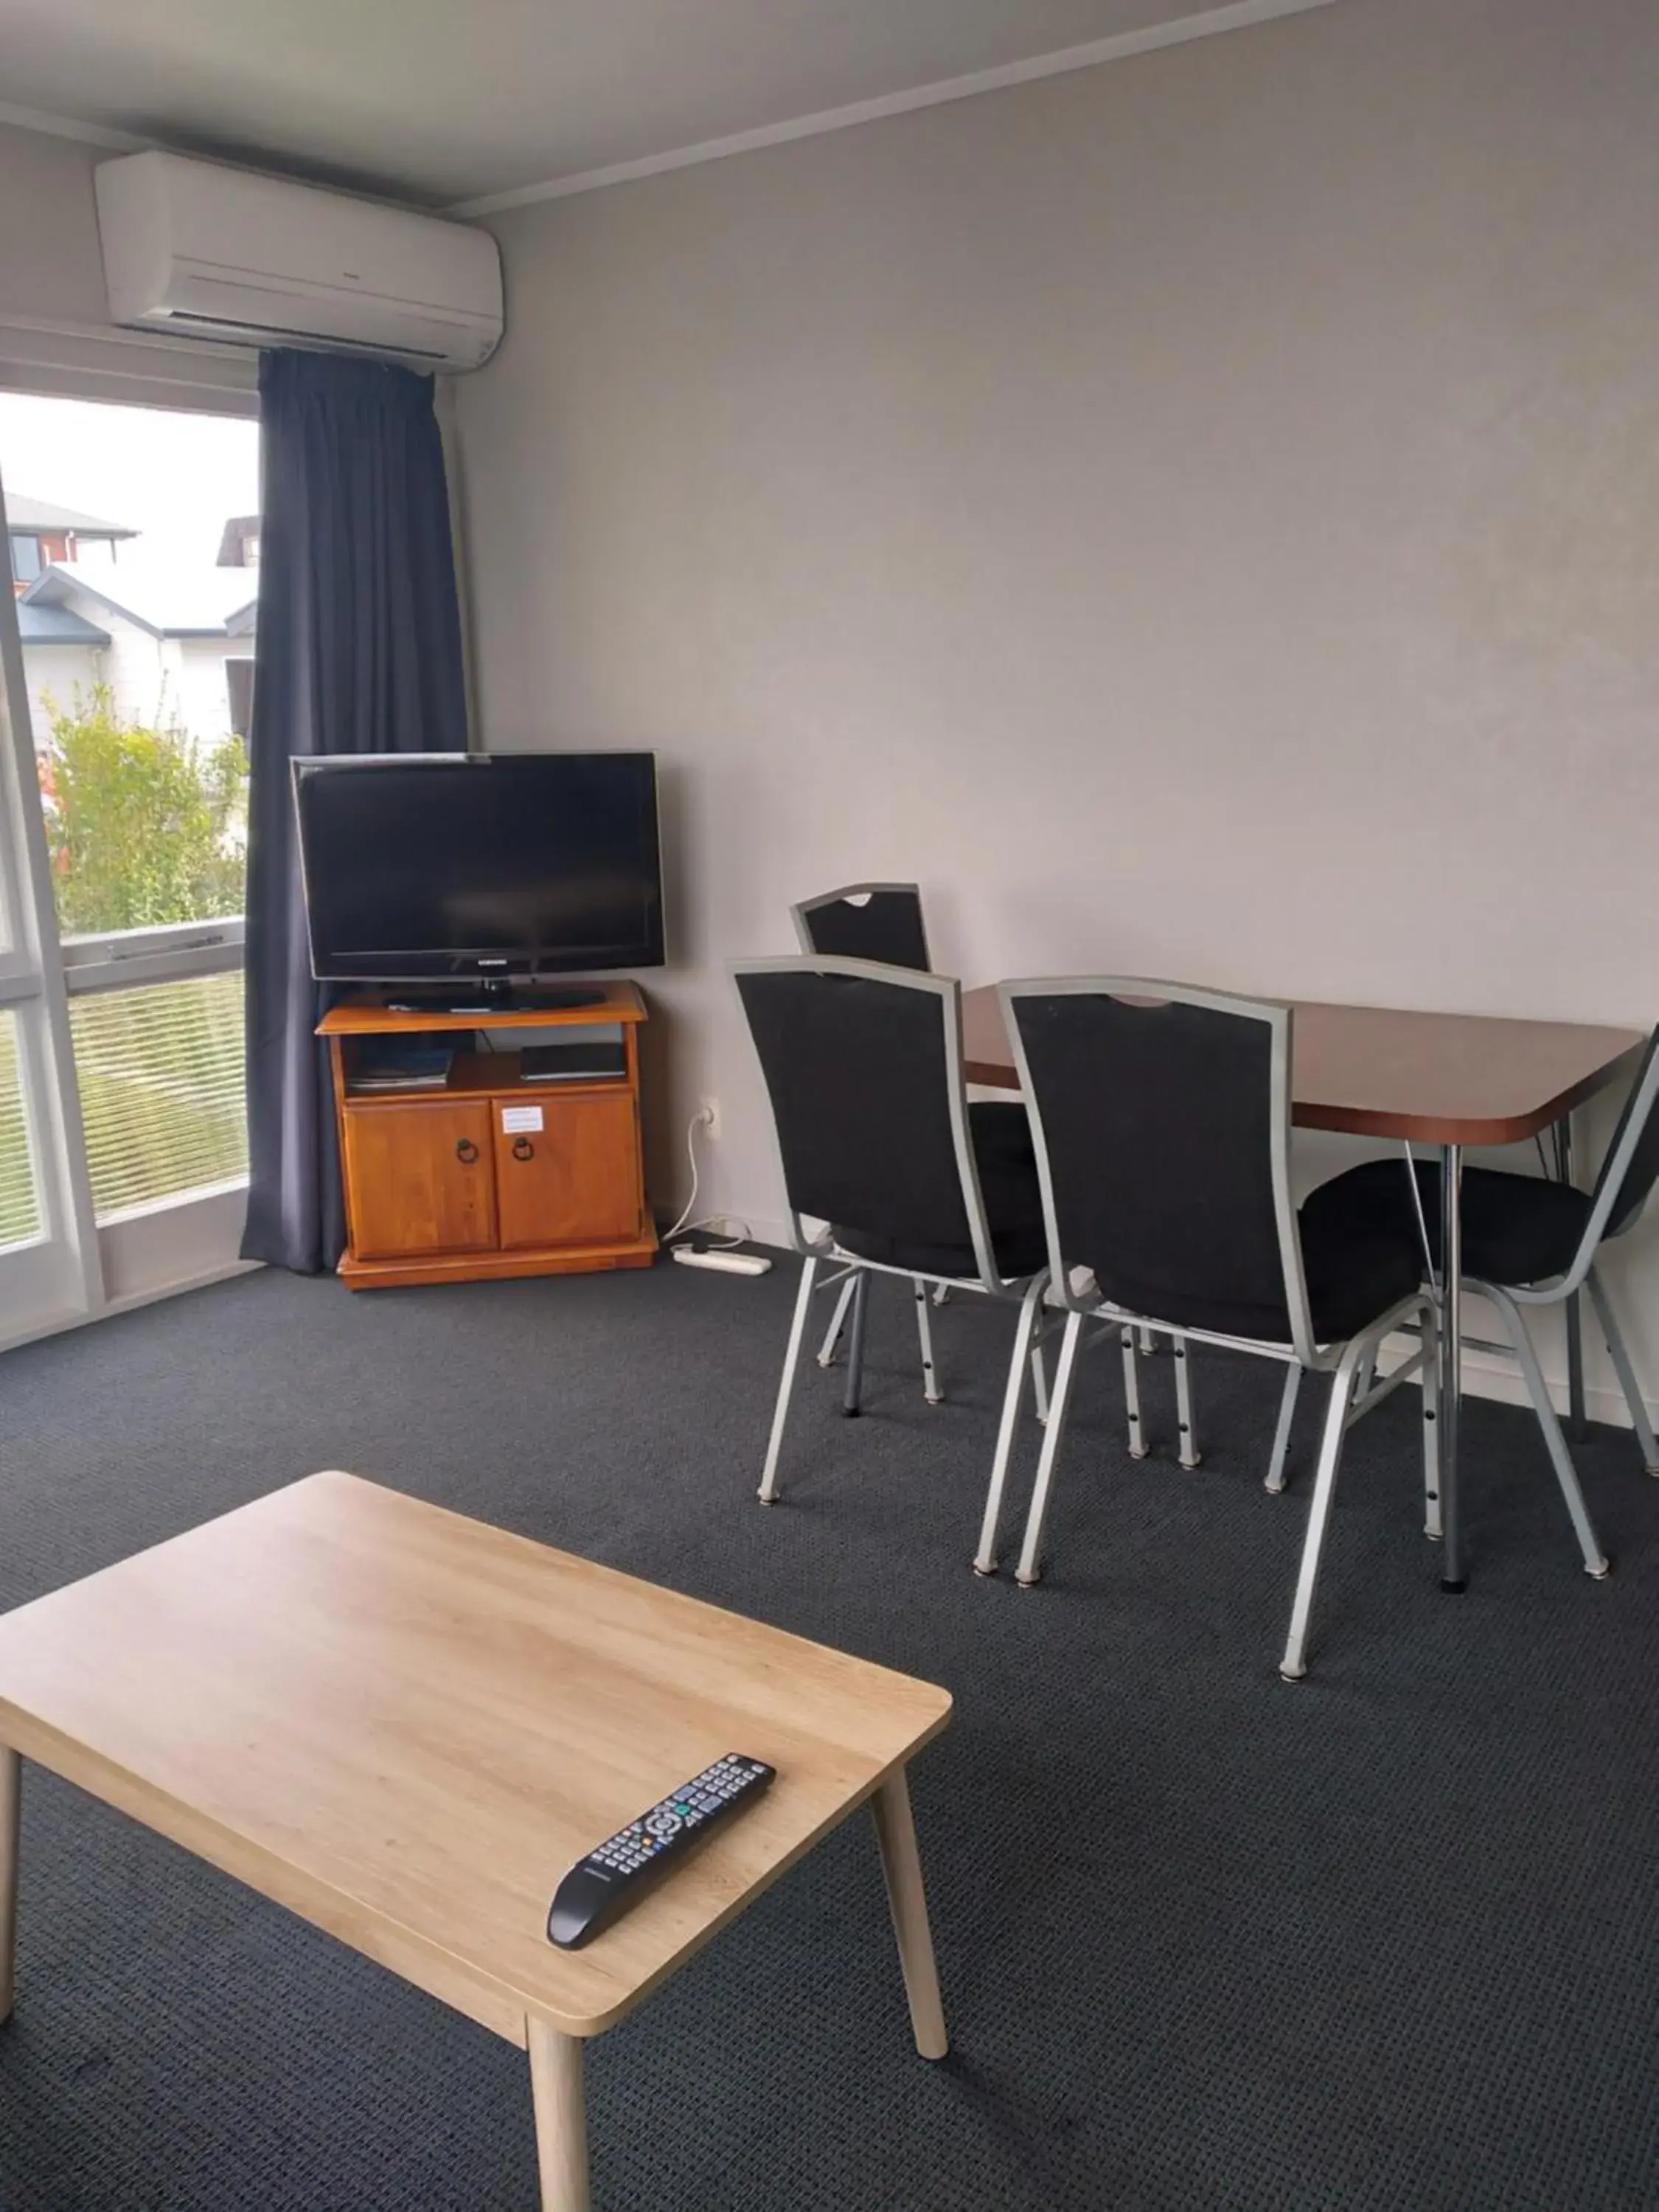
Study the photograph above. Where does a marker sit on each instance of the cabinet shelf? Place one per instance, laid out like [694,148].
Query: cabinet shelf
[485,1075]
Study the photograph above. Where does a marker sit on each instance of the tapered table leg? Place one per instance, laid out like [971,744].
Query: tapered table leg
[556,2089]
[11,1775]
[896,1831]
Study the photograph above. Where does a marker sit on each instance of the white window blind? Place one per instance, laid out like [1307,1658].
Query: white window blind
[19,1194]
[159,1071]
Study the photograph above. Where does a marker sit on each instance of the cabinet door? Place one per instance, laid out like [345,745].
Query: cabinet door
[575,1179]
[420,1178]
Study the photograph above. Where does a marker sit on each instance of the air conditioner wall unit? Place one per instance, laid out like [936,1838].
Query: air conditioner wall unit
[211,252]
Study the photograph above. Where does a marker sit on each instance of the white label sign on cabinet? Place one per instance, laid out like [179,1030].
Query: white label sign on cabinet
[517,1121]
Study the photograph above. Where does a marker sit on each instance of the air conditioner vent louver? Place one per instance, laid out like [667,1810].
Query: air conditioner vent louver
[221,327]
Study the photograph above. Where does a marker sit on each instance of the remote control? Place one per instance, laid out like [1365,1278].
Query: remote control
[611,1877]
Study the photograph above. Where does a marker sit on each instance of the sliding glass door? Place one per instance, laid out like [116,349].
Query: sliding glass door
[127,634]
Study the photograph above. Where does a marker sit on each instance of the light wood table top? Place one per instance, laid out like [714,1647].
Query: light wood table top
[406,1726]
[1376,1072]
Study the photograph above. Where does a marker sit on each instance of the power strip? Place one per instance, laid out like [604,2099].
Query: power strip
[723,1263]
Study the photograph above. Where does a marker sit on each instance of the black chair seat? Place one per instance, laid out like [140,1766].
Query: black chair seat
[1013,1207]
[1517,1229]
[1356,1258]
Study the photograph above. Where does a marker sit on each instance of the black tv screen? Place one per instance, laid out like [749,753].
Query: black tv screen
[429,866]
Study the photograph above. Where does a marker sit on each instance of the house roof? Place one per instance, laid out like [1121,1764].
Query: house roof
[48,625]
[169,598]
[25,516]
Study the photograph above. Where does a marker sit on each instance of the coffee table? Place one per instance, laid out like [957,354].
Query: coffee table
[404,1726]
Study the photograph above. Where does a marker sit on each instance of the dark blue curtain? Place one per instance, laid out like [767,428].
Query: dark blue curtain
[358,651]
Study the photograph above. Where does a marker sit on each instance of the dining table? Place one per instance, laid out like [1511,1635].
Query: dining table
[1447,1081]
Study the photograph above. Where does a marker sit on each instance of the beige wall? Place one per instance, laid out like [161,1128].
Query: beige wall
[1200,516]
[54,331]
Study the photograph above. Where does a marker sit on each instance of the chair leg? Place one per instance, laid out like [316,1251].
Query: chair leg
[1294,1664]
[1430,1373]
[1028,1570]
[1132,1396]
[1275,1481]
[930,1387]
[1626,1372]
[1039,1385]
[769,1484]
[1030,1318]
[1566,1475]
[1148,1342]
[851,1403]
[837,1323]
[1188,1450]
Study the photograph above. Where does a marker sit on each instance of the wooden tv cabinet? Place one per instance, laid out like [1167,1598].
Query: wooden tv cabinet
[483,1175]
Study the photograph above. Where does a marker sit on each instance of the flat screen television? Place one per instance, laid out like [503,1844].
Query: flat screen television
[481,870]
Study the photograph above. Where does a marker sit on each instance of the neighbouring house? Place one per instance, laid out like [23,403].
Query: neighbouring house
[41,533]
[239,548]
[174,643]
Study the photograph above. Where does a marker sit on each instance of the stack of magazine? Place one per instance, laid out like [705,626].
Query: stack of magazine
[411,1062]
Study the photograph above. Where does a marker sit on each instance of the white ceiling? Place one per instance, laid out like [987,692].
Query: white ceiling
[447,102]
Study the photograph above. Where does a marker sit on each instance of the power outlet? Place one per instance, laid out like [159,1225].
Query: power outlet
[709,1114]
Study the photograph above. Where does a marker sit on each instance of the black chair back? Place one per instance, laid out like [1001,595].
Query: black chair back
[864,1070]
[1633,1155]
[866,922]
[1162,1128]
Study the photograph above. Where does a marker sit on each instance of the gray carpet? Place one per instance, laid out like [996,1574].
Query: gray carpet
[1384,1942]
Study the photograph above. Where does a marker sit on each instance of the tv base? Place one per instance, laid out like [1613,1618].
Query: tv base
[497,998]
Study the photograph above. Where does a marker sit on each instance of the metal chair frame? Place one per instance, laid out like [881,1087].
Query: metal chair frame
[800,912]
[1509,1301]
[1347,1364]
[1601,1228]
[818,1250]
[854,1285]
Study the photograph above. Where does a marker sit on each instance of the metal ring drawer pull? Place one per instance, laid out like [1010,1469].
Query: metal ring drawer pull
[466,1151]
[523,1148]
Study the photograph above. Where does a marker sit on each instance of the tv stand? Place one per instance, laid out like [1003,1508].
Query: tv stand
[478,1173]
[494,995]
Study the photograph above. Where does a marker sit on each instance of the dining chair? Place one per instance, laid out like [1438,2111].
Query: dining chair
[1529,1241]
[884,922]
[1161,1120]
[866,922]
[862,1063]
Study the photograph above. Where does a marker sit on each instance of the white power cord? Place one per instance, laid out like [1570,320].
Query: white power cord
[685,1225]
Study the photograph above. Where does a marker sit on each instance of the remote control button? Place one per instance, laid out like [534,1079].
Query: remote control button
[663,1823]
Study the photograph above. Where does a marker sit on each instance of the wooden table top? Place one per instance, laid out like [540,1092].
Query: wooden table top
[406,1726]
[1376,1072]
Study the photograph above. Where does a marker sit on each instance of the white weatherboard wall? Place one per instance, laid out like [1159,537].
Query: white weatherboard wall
[1200,516]
[54,673]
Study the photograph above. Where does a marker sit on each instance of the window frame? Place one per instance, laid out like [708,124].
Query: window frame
[124,959]
[181,1242]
